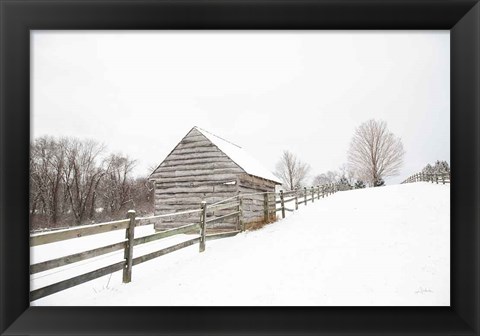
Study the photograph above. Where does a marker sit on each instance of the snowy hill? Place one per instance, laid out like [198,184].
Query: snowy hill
[382,246]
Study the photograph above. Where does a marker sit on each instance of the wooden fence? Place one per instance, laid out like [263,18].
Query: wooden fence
[430,177]
[281,199]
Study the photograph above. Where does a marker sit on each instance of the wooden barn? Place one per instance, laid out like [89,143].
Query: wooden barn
[205,167]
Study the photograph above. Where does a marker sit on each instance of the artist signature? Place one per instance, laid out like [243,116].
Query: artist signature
[423,291]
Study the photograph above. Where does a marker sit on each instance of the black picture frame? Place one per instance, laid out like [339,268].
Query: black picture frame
[18,17]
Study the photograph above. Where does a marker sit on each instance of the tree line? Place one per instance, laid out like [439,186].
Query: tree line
[439,167]
[75,181]
[374,154]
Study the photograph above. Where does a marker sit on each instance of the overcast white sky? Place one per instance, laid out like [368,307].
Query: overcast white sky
[139,93]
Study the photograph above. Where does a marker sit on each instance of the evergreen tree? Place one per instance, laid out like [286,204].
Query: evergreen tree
[428,169]
[343,183]
[441,167]
[359,184]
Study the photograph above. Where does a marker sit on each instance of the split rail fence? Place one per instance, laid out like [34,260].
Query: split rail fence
[429,177]
[281,199]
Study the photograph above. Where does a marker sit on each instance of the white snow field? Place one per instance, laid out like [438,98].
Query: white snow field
[383,246]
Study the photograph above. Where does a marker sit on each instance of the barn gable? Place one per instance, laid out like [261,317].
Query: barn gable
[195,156]
[204,148]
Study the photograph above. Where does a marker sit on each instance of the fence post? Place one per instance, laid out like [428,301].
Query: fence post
[240,213]
[282,204]
[436,178]
[129,235]
[265,208]
[203,223]
[296,199]
[443,178]
[313,195]
[318,192]
[305,194]
[323,190]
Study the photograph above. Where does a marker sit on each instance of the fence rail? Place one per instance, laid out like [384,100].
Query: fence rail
[299,196]
[437,178]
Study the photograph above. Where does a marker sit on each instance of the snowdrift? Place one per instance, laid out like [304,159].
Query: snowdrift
[382,246]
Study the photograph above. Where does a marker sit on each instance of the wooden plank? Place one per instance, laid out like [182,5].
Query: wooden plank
[248,214]
[193,167]
[194,143]
[198,172]
[229,199]
[196,189]
[257,185]
[221,235]
[181,196]
[189,184]
[193,134]
[203,178]
[172,214]
[188,161]
[209,149]
[164,251]
[83,231]
[172,207]
[186,202]
[221,212]
[195,155]
[291,192]
[65,284]
[287,209]
[265,208]
[219,219]
[145,221]
[159,235]
[222,206]
[256,182]
[241,221]
[72,258]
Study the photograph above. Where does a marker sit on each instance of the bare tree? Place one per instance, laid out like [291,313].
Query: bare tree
[71,178]
[82,175]
[143,193]
[375,153]
[326,178]
[117,184]
[46,169]
[347,174]
[291,171]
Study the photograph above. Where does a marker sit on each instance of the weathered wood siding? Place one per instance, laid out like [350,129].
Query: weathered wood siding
[253,206]
[194,171]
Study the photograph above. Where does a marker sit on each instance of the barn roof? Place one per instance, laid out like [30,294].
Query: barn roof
[238,155]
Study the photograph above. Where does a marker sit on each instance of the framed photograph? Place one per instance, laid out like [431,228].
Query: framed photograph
[308,167]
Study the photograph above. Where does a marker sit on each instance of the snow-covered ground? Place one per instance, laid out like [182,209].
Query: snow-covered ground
[382,246]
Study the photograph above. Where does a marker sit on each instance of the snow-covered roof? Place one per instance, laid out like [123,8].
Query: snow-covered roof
[238,155]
